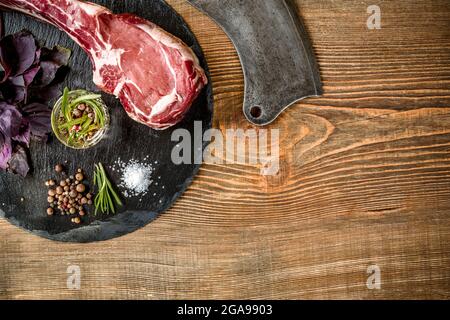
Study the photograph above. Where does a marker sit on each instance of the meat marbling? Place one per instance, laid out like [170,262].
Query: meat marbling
[155,75]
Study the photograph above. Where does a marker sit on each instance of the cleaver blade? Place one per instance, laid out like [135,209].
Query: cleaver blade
[277,58]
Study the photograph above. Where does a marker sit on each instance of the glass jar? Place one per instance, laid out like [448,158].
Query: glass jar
[63,135]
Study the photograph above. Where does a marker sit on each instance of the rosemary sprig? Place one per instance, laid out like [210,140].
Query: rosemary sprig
[65,104]
[83,99]
[100,116]
[73,122]
[105,194]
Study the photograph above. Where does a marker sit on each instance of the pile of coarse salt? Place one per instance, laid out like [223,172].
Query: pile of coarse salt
[136,176]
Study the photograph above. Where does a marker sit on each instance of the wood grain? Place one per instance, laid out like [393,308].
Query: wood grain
[364,179]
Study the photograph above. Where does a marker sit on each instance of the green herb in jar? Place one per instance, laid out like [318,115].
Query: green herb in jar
[80,118]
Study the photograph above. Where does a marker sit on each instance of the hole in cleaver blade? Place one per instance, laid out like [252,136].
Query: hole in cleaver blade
[279,64]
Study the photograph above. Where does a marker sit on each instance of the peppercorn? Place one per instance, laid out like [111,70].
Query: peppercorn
[73,194]
[81,187]
[77,113]
[67,196]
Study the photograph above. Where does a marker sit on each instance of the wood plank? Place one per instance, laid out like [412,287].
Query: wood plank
[364,179]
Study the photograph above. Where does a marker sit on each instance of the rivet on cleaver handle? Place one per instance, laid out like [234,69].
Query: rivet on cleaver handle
[279,64]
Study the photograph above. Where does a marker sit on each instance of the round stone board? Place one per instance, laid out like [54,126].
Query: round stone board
[23,200]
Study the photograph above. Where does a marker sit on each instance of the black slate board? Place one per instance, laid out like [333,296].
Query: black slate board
[126,139]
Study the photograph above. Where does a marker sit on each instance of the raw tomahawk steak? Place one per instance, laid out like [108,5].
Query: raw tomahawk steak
[154,74]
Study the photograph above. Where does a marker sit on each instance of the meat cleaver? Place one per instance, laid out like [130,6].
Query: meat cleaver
[279,64]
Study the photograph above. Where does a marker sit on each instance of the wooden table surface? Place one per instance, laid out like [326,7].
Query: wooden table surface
[364,180]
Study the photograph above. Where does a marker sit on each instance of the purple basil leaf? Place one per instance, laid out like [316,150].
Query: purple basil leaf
[44,95]
[10,124]
[19,161]
[51,61]
[59,55]
[17,53]
[38,56]
[10,120]
[18,81]
[2,25]
[47,74]
[38,116]
[12,91]
[5,154]
[30,74]
[24,133]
